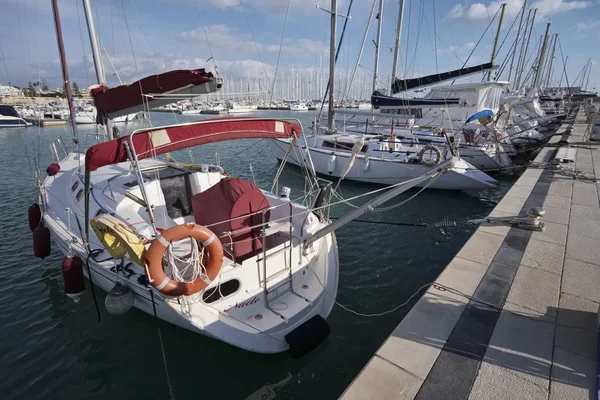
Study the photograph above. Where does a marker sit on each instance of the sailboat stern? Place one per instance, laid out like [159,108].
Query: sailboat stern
[288,314]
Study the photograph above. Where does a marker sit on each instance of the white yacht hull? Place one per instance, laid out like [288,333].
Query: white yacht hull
[241,110]
[12,122]
[381,171]
[86,118]
[241,319]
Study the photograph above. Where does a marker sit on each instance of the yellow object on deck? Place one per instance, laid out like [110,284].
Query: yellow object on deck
[118,239]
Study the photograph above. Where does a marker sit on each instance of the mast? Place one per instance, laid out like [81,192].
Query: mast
[63,64]
[332,45]
[517,39]
[524,60]
[564,71]
[496,40]
[542,56]
[551,61]
[100,75]
[379,24]
[582,73]
[398,35]
[589,73]
[360,51]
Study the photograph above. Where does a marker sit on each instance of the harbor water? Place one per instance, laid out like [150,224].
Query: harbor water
[53,348]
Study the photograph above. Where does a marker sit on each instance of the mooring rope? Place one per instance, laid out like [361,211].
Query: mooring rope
[171,394]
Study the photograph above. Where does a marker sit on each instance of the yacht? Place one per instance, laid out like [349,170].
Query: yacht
[381,160]
[236,108]
[251,272]
[9,118]
[298,107]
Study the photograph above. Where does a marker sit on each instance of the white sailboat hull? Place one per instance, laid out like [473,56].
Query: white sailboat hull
[241,319]
[381,171]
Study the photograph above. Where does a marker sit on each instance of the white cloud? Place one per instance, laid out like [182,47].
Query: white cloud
[458,49]
[274,6]
[226,38]
[549,7]
[483,12]
[584,26]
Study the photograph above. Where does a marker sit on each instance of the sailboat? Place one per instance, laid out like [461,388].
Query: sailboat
[188,243]
[380,157]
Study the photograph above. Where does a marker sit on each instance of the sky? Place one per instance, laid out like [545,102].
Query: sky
[250,40]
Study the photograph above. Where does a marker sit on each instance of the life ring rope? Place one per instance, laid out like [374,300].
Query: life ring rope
[156,252]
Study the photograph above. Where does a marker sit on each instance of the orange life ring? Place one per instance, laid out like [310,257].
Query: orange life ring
[154,259]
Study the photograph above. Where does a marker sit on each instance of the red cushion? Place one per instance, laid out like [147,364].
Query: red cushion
[227,200]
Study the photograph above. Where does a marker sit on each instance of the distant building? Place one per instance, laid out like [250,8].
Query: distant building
[9,91]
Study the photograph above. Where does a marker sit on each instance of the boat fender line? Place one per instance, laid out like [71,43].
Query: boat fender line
[153,261]
[438,156]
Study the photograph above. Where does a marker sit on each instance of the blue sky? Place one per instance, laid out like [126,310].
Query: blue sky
[141,37]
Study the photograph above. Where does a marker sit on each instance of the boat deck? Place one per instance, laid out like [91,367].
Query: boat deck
[515,313]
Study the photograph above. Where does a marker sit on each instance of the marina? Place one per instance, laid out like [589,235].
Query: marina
[425,228]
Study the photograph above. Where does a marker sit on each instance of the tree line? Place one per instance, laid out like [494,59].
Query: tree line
[36,88]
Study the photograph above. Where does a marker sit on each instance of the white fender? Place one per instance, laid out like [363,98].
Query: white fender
[331,164]
[367,163]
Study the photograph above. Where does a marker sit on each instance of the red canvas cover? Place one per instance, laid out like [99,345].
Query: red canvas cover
[227,200]
[154,141]
[125,96]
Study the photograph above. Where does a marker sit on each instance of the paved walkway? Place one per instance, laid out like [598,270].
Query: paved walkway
[514,314]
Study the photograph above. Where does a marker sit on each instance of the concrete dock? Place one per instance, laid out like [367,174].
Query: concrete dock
[515,313]
[46,122]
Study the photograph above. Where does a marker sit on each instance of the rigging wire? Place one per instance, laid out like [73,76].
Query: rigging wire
[407,39]
[4,62]
[287,12]
[160,63]
[253,38]
[508,54]
[337,53]
[419,27]
[563,60]
[435,38]
[87,77]
[479,41]
[137,70]
[212,56]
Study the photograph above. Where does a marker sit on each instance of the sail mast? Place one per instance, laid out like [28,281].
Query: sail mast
[332,45]
[379,24]
[551,60]
[589,73]
[63,63]
[496,40]
[542,56]
[564,71]
[398,35]
[524,60]
[99,67]
[517,40]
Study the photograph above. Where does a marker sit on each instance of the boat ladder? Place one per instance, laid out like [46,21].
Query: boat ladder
[277,290]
